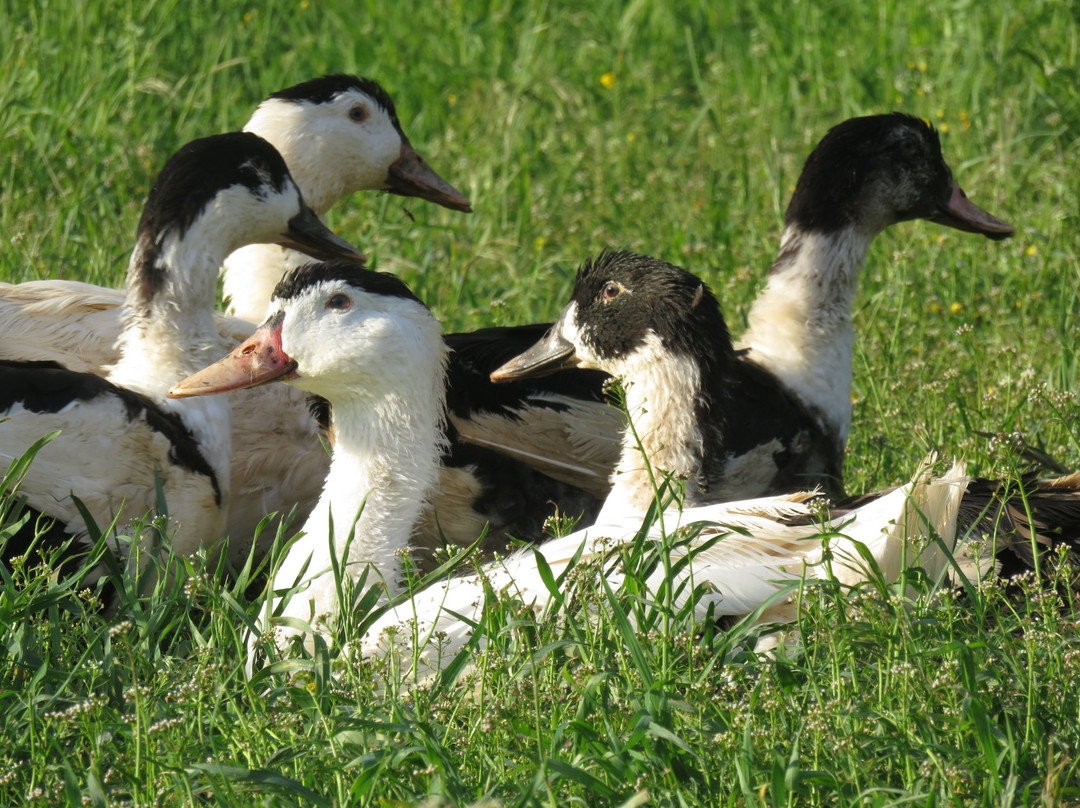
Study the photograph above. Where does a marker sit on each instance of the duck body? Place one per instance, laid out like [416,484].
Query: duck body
[116,446]
[121,437]
[734,558]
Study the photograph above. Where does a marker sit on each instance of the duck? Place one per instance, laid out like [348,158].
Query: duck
[338,134]
[123,446]
[865,175]
[397,483]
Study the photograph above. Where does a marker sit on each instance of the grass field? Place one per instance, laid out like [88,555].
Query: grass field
[673,129]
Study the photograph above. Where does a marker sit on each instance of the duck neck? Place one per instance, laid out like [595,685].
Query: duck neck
[668,399]
[169,333]
[168,315]
[799,327]
[251,274]
[384,467]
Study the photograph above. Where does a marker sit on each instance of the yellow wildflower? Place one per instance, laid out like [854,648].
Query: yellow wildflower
[1031,250]
[943,128]
[608,80]
[922,67]
[956,308]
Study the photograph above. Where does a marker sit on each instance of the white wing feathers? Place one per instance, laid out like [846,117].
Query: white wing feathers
[754,555]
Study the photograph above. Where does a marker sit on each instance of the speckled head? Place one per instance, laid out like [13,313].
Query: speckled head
[624,304]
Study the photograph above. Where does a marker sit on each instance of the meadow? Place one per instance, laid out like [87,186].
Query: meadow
[673,129]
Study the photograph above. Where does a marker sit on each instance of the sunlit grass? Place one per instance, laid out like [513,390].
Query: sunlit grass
[673,129]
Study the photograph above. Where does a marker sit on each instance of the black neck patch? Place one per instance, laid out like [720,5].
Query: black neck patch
[303,278]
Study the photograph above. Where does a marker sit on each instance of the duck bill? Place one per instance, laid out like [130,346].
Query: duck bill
[258,360]
[309,235]
[551,354]
[411,176]
[963,214]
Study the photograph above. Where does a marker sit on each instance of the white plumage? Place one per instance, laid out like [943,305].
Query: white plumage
[751,555]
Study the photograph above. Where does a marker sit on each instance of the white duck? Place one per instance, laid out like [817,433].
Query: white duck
[120,434]
[361,340]
[367,344]
[338,134]
[865,175]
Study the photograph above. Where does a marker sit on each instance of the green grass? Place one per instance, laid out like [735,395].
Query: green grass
[690,156]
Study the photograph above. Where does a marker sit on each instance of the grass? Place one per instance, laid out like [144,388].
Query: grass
[690,155]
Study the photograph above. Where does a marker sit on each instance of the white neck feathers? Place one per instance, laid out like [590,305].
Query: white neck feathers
[169,330]
[800,325]
[386,462]
[662,404]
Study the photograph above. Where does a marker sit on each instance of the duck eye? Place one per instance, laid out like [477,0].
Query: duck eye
[907,145]
[339,302]
[358,114]
[610,291]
